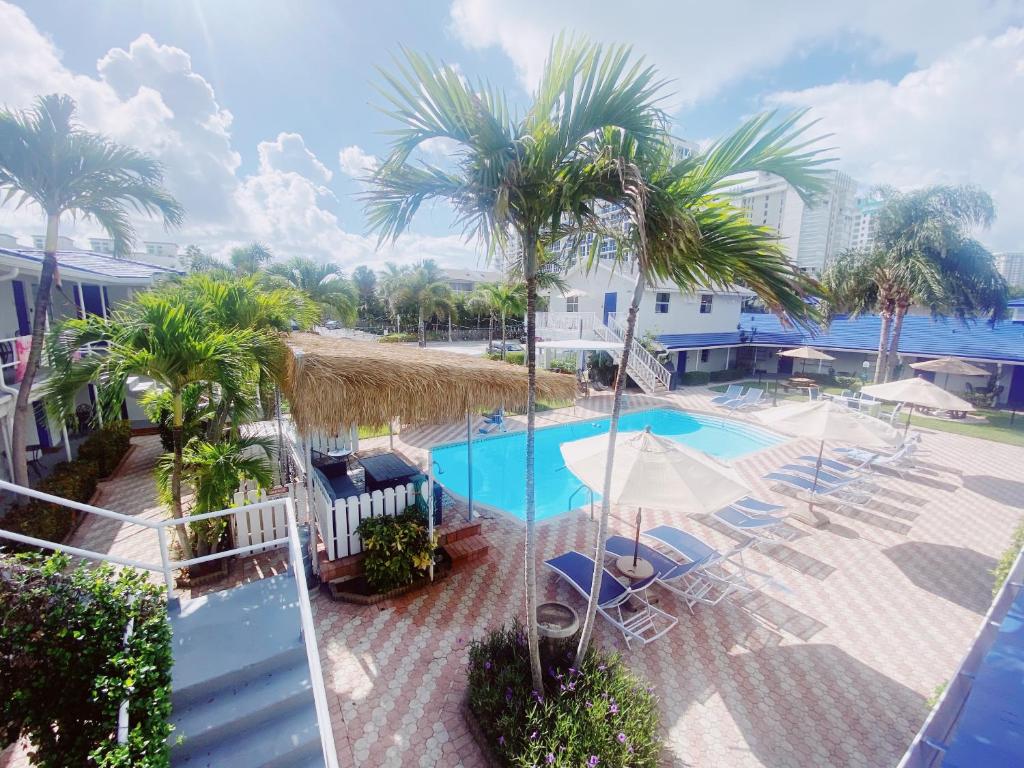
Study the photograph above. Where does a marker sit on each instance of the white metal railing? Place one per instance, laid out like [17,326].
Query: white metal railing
[931,741]
[643,366]
[7,369]
[167,566]
[567,323]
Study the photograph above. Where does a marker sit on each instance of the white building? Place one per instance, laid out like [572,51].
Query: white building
[1011,266]
[467,280]
[161,254]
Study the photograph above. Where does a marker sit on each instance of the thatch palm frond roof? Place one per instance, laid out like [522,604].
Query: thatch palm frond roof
[332,382]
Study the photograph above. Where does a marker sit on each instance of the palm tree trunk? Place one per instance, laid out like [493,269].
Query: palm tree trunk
[42,307]
[502,335]
[894,342]
[533,637]
[177,428]
[490,330]
[606,491]
[883,344]
[422,329]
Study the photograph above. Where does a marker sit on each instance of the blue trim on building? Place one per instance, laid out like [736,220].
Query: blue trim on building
[921,335]
[94,263]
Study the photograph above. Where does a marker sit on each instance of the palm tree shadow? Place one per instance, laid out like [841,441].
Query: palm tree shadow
[1003,490]
[957,574]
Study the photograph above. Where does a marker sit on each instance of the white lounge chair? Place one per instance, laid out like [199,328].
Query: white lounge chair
[843,492]
[900,461]
[732,392]
[645,625]
[751,398]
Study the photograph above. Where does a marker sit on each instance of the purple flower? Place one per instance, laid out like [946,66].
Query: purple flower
[572,671]
[550,758]
[533,736]
[501,740]
[508,694]
[602,667]
[487,665]
[614,709]
[622,738]
[593,761]
[590,704]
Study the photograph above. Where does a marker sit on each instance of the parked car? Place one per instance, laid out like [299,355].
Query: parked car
[510,346]
[332,325]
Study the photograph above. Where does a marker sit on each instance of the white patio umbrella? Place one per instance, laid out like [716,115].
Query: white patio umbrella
[654,472]
[948,365]
[805,354]
[917,391]
[829,420]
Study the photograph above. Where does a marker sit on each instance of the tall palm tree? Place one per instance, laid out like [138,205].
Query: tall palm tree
[390,282]
[160,337]
[685,229]
[516,176]
[923,255]
[506,299]
[324,284]
[48,160]
[424,288]
[249,259]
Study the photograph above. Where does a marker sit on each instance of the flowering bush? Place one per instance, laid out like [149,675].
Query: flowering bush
[398,550]
[596,713]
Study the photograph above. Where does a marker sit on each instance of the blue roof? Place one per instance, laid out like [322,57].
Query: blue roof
[1015,303]
[921,335]
[98,264]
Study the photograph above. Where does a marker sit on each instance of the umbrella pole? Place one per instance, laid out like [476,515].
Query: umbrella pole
[814,518]
[636,543]
[910,413]
[469,464]
[430,507]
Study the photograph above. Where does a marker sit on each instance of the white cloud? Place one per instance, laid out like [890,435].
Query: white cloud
[958,120]
[356,163]
[702,46]
[149,96]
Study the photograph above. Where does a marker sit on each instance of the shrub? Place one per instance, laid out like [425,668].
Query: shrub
[849,382]
[65,669]
[1002,569]
[515,358]
[729,374]
[398,338]
[106,446]
[695,378]
[593,713]
[397,548]
[562,366]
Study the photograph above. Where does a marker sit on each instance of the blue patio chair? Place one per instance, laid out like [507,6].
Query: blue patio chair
[645,625]
[755,507]
[762,530]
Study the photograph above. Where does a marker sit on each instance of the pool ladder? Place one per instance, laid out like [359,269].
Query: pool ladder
[573,496]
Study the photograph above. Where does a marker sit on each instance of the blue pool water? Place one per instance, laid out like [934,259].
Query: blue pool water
[499,462]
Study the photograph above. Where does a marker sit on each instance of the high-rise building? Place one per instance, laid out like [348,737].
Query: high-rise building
[1011,266]
[865,223]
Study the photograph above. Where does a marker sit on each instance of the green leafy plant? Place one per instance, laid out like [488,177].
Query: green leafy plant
[1002,569]
[398,338]
[65,668]
[398,550]
[695,378]
[595,713]
[563,365]
[106,446]
[729,374]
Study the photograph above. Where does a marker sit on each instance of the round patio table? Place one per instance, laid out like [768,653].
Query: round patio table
[642,570]
[557,620]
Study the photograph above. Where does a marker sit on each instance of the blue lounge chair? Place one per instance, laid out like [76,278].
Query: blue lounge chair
[842,468]
[762,530]
[825,477]
[731,393]
[840,492]
[645,625]
[755,507]
[681,577]
[494,423]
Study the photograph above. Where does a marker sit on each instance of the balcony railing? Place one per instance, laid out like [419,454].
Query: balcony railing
[566,324]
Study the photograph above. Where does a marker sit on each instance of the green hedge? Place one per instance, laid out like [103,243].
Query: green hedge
[106,446]
[65,669]
[397,549]
[695,378]
[729,374]
[398,338]
[1002,569]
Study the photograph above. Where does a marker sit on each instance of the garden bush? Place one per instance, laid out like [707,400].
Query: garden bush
[1002,569]
[65,669]
[398,550]
[596,713]
[695,378]
[849,382]
[398,338]
[106,446]
[729,374]
[562,366]
[515,358]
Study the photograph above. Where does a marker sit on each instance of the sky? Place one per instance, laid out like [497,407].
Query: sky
[266,114]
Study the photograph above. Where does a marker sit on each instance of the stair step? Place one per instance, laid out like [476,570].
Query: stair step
[227,711]
[467,550]
[280,741]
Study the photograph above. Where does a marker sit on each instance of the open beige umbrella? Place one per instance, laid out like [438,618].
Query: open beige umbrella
[805,354]
[948,365]
[829,420]
[917,391]
[654,472]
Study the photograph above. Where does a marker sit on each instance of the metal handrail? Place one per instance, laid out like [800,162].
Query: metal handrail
[573,496]
[637,352]
[167,565]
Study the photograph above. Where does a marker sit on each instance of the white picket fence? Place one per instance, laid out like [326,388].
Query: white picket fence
[254,526]
[337,521]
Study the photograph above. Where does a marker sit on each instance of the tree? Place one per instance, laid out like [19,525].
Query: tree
[923,255]
[423,287]
[515,177]
[324,284]
[195,259]
[249,259]
[48,160]
[505,298]
[365,281]
[685,229]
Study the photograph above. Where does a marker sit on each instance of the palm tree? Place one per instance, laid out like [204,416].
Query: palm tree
[365,281]
[48,160]
[391,279]
[249,259]
[515,177]
[160,337]
[923,255]
[424,288]
[505,298]
[686,230]
[323,283]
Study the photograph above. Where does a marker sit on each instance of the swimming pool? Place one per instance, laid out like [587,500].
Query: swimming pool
[499,462]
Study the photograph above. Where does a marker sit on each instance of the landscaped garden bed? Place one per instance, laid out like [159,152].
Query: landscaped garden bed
[592,713]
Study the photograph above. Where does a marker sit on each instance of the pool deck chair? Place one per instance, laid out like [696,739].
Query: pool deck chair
[901,461]
[721,574]
[755,507]
[825,476]
[763,530]
[731,393]
[844,469]
[841,493]
[752,397]
[679,576]
[645,625]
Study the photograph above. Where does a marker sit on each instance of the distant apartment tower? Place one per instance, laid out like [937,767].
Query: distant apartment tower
[865,223]
[162,254]
[63,243]
[1011,266]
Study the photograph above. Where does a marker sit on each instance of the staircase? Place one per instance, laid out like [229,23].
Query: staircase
[643,367]
[242,693]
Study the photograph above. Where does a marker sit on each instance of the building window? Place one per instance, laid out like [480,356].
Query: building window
[705,355]
[705,303]
[661,303]
[572,303]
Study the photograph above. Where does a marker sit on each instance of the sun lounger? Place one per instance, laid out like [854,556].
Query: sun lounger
[825,477]
[681,576]
[750,398]
[843,468]
[840,492]
[645,625]
[763,530]
[898,461]
[755,507]
[716,575]
[731,393]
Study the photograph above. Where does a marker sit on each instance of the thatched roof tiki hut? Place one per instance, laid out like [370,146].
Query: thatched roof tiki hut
[333,383]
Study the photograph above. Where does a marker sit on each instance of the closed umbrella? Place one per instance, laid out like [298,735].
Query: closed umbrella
[948,365]
[917,391]
[829,420]
[654,472]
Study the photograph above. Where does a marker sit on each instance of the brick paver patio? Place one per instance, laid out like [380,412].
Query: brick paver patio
[829,666]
